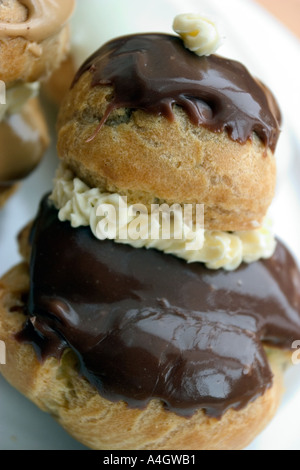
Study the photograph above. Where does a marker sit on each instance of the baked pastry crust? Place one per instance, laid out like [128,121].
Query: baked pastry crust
[12,11]
[56,387]
[26,61]
[153,160]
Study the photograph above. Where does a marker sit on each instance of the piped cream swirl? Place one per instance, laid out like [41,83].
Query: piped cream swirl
[199,34]
[78,203]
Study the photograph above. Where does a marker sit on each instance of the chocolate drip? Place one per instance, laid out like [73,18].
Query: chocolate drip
[148,325]
[153,72]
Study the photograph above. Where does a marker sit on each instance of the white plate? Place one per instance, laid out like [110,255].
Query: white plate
[270,52]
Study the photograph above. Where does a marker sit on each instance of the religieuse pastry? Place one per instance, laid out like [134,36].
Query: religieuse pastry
[34,39]
[156,343]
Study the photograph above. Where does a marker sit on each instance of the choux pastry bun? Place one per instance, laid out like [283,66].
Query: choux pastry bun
[165,155]
[136,377]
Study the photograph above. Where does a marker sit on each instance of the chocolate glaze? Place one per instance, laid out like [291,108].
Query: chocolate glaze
[153,72]
[148,325]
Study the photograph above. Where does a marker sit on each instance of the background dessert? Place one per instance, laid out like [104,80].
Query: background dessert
[22,206]
[23,141]
[34,41]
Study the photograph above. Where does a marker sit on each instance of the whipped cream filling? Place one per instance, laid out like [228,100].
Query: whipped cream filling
[79,204]
[16,97]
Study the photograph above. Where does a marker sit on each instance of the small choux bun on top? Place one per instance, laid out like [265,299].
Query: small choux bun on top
[185,144]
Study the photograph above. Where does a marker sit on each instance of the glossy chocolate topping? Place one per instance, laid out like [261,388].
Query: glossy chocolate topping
[148,325]
[153,72]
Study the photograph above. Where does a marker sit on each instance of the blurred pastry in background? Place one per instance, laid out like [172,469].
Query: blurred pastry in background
[23,141]
[34,40]
[58,84]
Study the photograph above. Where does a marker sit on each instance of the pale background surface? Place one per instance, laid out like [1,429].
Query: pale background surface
[287,11]
[271,52]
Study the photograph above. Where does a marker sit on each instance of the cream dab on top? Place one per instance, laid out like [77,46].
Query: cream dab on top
[199,34]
